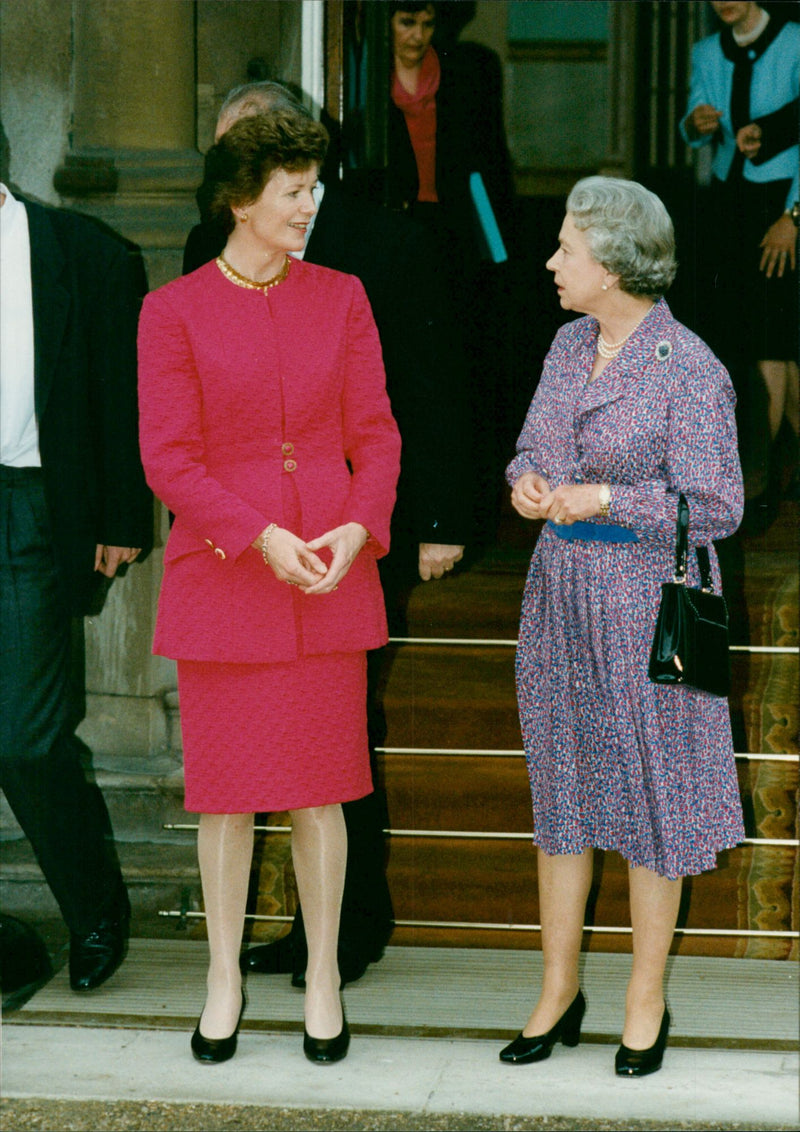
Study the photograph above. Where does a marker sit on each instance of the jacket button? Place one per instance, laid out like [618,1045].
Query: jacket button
[287,448]
[289,465]
[220,553]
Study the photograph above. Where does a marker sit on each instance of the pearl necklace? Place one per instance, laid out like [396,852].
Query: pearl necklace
[252,284]
[609,350]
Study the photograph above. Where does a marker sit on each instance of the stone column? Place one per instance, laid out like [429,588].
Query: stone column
[135,75]
[133,160]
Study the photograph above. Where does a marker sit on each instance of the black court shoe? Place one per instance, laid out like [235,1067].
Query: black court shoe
[324,1051]
[640,1062]
[523,1051]
[210,1051]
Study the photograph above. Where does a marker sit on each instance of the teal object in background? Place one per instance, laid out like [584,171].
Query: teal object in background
[496,249]
[582,20]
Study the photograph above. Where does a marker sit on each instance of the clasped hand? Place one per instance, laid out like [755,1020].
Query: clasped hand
[296,562]
[748,140]
[570,502]
[108,559]
[703,121]
[437,559]
[780,240]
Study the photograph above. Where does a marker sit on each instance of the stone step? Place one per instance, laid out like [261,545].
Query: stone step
[141,801]
[760,579]
[464,696]
[473,792]
[459,699]
[158,876]
[493,882]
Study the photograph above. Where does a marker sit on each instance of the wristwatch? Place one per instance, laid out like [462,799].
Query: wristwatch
[794,212]
[604,495]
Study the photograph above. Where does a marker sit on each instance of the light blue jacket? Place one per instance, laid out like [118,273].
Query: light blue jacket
[775,82]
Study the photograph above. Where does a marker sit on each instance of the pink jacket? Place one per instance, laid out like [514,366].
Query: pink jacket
[261,407]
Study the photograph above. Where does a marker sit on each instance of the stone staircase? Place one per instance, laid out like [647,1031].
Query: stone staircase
[459,858]
[461,867]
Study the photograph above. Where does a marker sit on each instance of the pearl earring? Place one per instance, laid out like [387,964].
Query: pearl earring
[605,288]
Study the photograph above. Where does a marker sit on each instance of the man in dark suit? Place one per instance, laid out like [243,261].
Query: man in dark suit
[432,521]
[74,507]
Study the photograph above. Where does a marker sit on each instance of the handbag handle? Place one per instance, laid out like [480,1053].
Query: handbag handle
[681,546]
[681,539]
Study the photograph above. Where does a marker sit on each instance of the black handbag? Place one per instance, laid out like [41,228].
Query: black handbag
[690,645]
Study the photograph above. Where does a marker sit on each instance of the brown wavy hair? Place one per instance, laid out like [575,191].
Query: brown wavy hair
[238,167]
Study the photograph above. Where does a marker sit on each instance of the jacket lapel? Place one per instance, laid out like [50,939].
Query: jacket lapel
[633,367]
[51,301]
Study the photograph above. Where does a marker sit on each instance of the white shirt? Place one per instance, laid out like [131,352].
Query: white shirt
[19,433]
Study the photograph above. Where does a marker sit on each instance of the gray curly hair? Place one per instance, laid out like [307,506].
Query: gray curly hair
[628,231]
[262,97]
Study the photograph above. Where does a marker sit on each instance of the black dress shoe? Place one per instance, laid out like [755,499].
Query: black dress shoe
[274,958]
[24,962]
[324,1051]
[639,1062]
[523,1051]
[352,967]
[210,1051]
[350,970]
[95,957]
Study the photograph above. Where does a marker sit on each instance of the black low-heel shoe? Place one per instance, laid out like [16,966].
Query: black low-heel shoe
[523,1051]
[640,1062]
[95,957]
[324,1051]
[210,1051]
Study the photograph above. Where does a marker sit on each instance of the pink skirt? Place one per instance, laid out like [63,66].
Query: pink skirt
[271,737]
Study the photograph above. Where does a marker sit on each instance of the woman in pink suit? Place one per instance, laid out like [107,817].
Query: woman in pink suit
[266,430]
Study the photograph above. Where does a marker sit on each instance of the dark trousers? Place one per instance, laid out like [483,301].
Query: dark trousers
[367,914]
[366,918]
[365,924]
[63,816]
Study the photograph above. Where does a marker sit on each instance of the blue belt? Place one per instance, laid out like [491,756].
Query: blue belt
[592,532]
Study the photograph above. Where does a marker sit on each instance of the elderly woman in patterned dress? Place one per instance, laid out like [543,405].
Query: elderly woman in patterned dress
[632,410]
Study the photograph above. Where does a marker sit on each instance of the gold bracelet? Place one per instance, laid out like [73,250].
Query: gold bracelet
[267,535]
[604,495]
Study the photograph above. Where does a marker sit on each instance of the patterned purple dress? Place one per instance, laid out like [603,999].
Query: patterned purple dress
[617,762]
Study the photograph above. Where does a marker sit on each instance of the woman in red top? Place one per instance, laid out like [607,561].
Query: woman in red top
[445,122]
[266,430]
[415,81]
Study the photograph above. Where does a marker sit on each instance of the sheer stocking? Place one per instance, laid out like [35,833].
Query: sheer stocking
[655,902]
[564,883]
[319,852]
[225,852]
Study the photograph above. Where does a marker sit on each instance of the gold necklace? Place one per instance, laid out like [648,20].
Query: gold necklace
[252,284]
[610,350]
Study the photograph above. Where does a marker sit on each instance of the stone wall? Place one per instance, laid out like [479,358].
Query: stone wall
[35,73]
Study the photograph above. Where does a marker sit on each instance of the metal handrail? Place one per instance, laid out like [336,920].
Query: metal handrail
[750,933]
[507,642]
